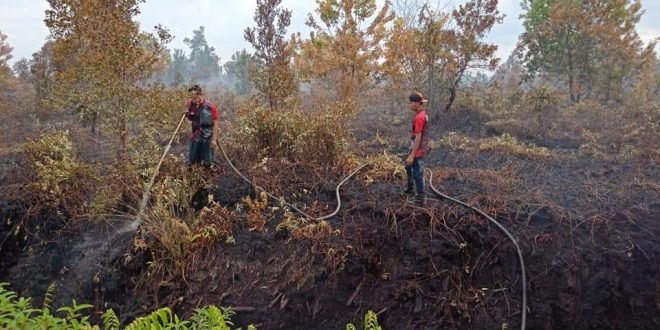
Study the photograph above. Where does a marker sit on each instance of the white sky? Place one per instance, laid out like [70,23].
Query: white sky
[225,21]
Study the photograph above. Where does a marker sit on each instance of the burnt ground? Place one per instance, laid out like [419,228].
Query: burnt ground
[431,268]
[592,263]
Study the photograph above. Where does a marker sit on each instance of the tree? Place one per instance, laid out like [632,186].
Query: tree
[238,71]
[510,74]
[590,44]
[434,52]
[417,50]
[271,75]
[647,85]
[340,49]
[5,56]
[102,59]
[42,73]
[179,69]
[22,69]
[474,19]
[204,63]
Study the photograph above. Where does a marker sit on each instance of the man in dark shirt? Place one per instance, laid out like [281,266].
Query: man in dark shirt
[203,116]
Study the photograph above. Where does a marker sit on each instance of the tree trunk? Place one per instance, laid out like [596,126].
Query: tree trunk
[452,97]
[571,84]
[271,92]
[454,84]
[431,92]
[94,119]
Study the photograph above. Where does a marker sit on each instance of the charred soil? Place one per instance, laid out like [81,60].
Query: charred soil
[592,255]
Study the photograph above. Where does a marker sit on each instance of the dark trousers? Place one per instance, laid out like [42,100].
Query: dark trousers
[415,173]
[200,152]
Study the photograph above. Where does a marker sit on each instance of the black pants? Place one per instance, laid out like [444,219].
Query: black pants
[200,152]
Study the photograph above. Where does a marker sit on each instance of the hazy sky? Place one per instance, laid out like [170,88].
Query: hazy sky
[225,21]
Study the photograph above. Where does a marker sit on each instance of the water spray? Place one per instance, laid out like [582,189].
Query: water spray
[147,191]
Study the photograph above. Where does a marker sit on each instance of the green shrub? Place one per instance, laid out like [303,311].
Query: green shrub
[18,313]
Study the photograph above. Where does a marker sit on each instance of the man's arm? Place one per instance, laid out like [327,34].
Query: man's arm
[214,134]
[214,130]
[413,152]
[187,110]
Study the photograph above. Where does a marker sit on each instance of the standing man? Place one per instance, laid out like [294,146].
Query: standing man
[418,148]
[203,116]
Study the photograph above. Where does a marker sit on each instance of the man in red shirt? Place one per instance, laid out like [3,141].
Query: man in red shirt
[418,147]
[203,116]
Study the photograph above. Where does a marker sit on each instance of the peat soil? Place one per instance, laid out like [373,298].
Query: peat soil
[433,267]
[421,268]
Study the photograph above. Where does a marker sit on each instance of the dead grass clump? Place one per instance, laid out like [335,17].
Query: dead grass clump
[174,233]
[509,144]
[319,137]
[504,143]
[57,180]
[384,167]
[322,250]
[256,208]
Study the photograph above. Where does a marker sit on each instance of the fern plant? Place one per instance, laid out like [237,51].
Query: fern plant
[370,322]
[110,320]
[212,317]
[17,313]
[162,318]
[48,297]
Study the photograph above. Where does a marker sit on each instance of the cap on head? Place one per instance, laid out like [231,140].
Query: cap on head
[417,97]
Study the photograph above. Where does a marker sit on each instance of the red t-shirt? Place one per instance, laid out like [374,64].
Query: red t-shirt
[419,125]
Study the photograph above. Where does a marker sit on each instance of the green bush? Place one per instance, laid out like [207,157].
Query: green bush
[18,313]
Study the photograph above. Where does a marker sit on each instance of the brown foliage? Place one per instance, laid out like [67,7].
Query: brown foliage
[591,46]
[341,56]
[271,74]
[433,50]
[102,57]
[319,137]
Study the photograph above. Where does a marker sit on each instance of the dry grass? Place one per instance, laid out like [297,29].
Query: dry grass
[504,143]
[318,137]
[174,233]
